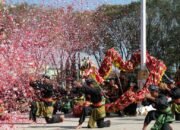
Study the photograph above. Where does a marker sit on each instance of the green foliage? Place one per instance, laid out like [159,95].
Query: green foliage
[163,29]
[121,29]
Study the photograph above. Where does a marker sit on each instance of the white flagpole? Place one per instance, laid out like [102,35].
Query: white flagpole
[142,75]
[143,34]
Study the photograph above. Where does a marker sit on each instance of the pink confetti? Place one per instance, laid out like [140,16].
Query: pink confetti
[31,39]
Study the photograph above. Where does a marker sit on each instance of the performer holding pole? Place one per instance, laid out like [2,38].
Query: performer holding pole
[177,77]
[163,113]
[98,108]
[46,105]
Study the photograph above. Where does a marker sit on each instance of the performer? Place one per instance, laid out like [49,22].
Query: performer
[125,82]
[175,94]
[163,114]
[97,109]
[44,107]
[1,108]
[113,92]
[2,32]
[131,109]
[177,77]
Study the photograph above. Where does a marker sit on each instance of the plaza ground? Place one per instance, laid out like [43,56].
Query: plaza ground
[118,123]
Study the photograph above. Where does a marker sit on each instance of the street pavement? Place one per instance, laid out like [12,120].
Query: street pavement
[117,123]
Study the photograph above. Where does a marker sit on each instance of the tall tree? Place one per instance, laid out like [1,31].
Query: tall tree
[119,27]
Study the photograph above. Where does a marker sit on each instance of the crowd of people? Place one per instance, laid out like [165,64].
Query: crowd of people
[164,98]
[87,98]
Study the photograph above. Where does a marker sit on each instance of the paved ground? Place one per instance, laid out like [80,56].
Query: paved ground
[125,123]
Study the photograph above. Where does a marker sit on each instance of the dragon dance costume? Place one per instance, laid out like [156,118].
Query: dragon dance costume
[46,107]
[97,109]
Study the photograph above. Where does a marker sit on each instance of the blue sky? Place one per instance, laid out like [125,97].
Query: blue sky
[78,4]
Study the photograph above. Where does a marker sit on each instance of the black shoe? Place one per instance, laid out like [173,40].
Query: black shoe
[108,123]
[121,114]
[108,114]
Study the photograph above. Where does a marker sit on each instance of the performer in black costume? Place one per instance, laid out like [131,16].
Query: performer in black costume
[97,109]
[46,105]
[163,113]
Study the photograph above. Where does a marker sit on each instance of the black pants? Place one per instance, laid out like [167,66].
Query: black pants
[153,115]
[101,123]
[131,109]
[54,119]
[57,106]
[32,113]
[177,116]
[85,112]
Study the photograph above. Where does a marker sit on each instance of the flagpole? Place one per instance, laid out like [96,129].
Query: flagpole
[143,73]
[143,34]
